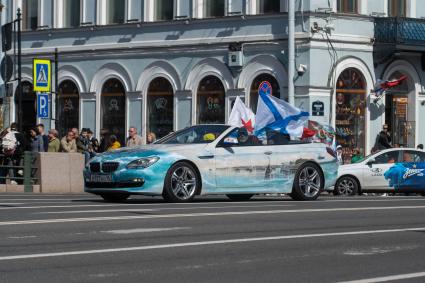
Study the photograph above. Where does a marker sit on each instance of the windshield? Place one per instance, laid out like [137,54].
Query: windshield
[194,135]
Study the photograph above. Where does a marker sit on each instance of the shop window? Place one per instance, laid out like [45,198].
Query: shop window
[113,109]
[214,8]
[397,8]
[160,106]
[30,15]
[347,6]
[350,112]
[115,11]
[164,10]
[28,119]
[210,101]
[67,107]
[253,95]
[268,6]
[71,13]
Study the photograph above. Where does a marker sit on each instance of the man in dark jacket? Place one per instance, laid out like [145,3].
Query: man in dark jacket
[383,140]
[45,137]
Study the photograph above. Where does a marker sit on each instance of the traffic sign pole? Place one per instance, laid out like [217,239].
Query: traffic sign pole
[19,71]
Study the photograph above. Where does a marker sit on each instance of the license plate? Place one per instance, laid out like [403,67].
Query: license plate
[101,178]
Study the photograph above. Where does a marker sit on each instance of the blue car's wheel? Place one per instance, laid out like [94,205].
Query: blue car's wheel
[181,183]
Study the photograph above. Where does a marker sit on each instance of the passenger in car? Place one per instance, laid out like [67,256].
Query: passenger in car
[277,138]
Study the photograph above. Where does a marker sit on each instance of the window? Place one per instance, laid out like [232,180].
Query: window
[350,111]
[268,6]
[253,100]
[210,101]
[164,10]
[115,11]
[397,8]
[413,156]
[30,15]
[71,13]
[214,8]
[388,157]
[113,109]
[347,6]
[195,135]
[67,107]
[160,107]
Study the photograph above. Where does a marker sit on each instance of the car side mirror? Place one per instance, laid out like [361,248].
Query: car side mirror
[371,161]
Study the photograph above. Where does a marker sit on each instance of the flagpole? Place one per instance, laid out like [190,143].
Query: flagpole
[291,51]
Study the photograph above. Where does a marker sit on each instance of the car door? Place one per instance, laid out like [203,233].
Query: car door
[240,165]
[412,171]
[373,173]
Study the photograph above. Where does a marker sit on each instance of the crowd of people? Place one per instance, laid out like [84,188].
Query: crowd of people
[14,143]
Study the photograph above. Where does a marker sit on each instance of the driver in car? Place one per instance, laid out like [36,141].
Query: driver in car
[245,139]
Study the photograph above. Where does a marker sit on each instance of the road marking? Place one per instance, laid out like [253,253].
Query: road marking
[143,230]
[206,243]
[11,203]
[21,237]
[61,206]
[158,209]
[201,214]
[388,278]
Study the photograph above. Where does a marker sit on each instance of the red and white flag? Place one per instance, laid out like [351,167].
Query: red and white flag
[242,116]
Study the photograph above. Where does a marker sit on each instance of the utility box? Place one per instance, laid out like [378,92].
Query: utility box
[235,59]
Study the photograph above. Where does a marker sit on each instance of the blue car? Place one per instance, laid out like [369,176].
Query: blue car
[211,160]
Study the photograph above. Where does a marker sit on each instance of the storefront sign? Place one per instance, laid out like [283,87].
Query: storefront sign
[318,108]
[42,75]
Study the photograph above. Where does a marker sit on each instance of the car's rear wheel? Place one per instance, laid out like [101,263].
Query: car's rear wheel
[347,186]
[115,197]
[181,183]
[308,183]
[240,197]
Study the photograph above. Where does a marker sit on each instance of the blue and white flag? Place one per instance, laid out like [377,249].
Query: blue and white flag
[277,115]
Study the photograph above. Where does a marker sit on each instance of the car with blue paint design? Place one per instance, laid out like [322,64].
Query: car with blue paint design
[212,160]
[394,170]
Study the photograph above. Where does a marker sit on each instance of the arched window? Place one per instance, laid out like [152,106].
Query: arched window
[210,101]
[253,94]
[71,13]
[67,107]
[115,11]
[160,105]
[30,15]
[350,112]
[397,110]
[214,8]
[29,114]
[113,109]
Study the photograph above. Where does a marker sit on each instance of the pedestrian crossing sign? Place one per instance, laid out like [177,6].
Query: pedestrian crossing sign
[42,75]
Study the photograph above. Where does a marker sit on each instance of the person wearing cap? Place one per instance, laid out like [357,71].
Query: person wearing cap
[209,137]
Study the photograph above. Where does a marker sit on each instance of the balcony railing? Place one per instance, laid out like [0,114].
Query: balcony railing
[400,30]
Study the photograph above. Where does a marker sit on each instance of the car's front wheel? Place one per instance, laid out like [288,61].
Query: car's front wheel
[308,182]
[240,197]
[181,183]
[115,197]
[346,185]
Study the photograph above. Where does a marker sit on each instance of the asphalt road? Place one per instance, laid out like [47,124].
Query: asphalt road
[79,238]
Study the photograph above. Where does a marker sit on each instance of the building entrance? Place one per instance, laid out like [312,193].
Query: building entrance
[29,112]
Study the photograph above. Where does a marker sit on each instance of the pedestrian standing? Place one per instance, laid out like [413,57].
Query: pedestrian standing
[37,141]
[383,139]
[68,143]
[133,139]
[54,143]
[339,155]
[44,136]
[115,144]
[94,143]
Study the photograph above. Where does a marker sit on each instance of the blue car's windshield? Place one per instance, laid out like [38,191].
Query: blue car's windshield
[194,135]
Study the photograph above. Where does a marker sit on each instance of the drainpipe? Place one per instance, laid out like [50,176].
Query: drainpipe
[291,51]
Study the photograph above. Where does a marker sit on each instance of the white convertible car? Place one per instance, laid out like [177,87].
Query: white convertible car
[399,170]
[213,159]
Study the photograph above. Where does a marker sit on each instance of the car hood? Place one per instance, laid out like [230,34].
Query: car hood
[148,150]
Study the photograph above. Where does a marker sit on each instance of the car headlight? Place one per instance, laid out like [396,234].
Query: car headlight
[142,162]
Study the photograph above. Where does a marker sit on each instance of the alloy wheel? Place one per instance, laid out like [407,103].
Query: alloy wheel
[183,182]
[309,181]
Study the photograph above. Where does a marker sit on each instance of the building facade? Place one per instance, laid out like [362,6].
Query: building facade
[162,65]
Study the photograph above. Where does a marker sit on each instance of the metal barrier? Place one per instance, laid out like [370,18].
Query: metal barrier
[9,170]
